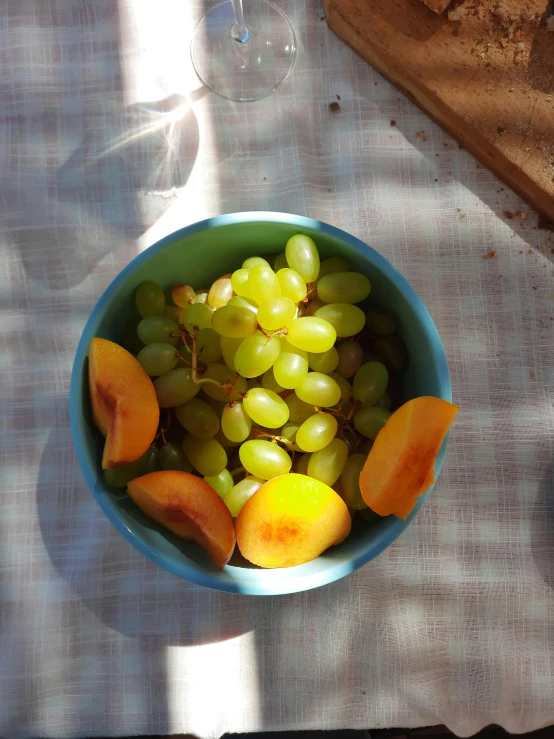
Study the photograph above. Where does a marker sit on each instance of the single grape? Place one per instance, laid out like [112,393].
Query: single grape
[183,295]
[255,262]
[217,405]
[257,354]
[391,351]
[314,305]
[280,262]
[317,432]
[175,387]
[343,287]
[172,457]
[266,408]
[328,463]
[208,345]
[264,459]
[332,265]
[346,319]
[262,284]
[157,329]
[205,455]
[221,483]
[370,382]
[293,285]
[220,292]
[302,256]
[152,461]
[239,282]
[276,313]
[120,477]
[129,338]
[325,362]
[253,382]
[197,316]
[380,321]
[350,482]
[299,411]
[174,313]
[157,359]
[311,334]
[225,442]
[234,322]
[291,367]
[222,374]
[235,422]
[350,358]
[384,402]
[229,349]
[301,464]
[244,303]
[369,420]
[289,432]
[270,383]
[150,300]
[243,491]
[319,390]
[345,387]
[201,296]
[198,418]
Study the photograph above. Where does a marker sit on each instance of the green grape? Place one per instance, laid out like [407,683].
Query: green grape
[175,387]
[384,402]
[244,303]
[239,281]
[270,383]
[235,422]
[174,313]
[243,490]
[198,418]
[220,292]
[325,362]
[264,459]
[367,445]
[391,351]
[328,463]
[317,432]
[157,329]
[222,374]
[172,457]
[157,359]
[345,387]
[293,285]
[302,256]
[263,284]
[229,349]
[276,313]
[332,265]
[301,464]
[369,420]
[350,358]
[291,367]
[201,296]
[346,319]
[129,338]
[255,262]
[221,483]
[150,300]
[289,431]
[299,411]
[205,455]
[120,477]
[234,322]
[350,482]
[217,405]
[380,321]
[225,442]
[208,345]
[280,262]
[152,461]
[197,316]
[343,287]
[319,390]
[253,382]
[257,354]
[370,382]
[266,408]
[183,295]
[311,334]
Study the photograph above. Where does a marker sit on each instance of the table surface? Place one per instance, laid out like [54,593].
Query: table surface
[108,142]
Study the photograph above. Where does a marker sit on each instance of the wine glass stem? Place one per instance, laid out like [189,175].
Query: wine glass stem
[239,31]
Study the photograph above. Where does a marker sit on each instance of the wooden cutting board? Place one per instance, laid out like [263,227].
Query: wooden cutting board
[484,70]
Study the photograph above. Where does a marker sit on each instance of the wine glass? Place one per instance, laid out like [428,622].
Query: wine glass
[243,60]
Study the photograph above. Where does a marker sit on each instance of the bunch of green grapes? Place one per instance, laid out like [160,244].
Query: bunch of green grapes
[274,368]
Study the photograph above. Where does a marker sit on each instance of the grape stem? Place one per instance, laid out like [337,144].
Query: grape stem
[256,434]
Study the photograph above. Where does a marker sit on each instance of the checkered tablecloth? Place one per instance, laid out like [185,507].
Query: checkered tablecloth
[108,142]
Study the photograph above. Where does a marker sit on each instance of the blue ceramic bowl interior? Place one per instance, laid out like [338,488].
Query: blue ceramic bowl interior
[197,255]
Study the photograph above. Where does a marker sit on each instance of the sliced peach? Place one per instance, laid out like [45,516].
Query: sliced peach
[291,520]
[124,404]
[401,463]
[189,507]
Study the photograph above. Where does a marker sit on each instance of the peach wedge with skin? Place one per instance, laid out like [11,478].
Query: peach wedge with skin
[124,404]
[189,507]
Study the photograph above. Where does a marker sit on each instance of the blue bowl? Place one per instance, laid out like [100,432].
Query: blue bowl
[197,255]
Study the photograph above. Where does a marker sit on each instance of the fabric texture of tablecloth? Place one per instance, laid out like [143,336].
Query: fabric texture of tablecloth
[107,142]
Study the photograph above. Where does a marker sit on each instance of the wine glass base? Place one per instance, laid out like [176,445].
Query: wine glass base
[249,70]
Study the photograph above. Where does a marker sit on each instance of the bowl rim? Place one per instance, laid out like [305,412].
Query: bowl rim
[254,581]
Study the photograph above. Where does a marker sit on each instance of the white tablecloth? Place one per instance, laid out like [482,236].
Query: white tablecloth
[108,142]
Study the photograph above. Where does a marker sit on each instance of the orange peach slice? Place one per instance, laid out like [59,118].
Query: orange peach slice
[124,404]
[401,464]
[291,520]
[188,507]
